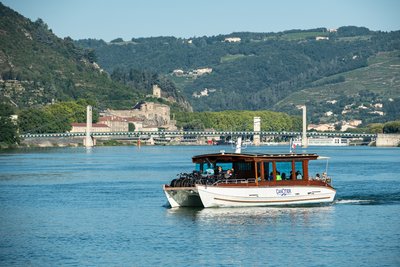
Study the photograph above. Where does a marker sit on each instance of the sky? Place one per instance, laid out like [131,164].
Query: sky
[127,19]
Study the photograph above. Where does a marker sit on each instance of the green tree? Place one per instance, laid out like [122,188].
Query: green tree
[91,55]
[193,125]
[8,129]
[54,118]
[33,120]
[232,120]
[375,127]
[392,127]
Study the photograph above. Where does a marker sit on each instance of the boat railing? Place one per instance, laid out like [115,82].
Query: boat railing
[325,178]
[193,178]
[235,181]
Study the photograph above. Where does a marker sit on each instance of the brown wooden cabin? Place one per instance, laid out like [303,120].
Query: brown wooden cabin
[262,169]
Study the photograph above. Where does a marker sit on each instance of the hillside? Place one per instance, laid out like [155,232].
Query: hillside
[238,71]
[249,71]
[38,68]
[371,93]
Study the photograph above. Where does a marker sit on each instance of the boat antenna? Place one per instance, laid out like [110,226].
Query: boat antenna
[326,167]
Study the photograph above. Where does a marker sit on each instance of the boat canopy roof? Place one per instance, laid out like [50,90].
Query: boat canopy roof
[233,157]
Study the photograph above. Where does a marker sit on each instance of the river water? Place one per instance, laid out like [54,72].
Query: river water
[105,207]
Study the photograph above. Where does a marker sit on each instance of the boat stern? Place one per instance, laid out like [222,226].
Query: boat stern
[170,198]
[182,196]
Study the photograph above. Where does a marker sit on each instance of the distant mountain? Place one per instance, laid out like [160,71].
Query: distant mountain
[250,71]
[37,68]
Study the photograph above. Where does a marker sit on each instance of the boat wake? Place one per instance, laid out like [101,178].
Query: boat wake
[353,201]
[373,199]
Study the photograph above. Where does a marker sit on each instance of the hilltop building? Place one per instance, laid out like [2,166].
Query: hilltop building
[321,127]
[178,72]
[233,39]
[192,73]
[156,91]
[116,124]
[145,114]
[202,71]
[346,125]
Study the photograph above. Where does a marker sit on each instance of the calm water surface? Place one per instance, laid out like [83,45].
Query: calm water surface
[105,207]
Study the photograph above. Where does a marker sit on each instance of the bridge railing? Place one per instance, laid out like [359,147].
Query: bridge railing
[200,133]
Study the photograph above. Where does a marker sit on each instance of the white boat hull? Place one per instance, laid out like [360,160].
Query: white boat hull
[219,196]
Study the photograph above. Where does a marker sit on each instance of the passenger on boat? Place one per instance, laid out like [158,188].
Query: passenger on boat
[228,174]
[317,177]
[219,171]
[298,175]
[283,176]
[278,176]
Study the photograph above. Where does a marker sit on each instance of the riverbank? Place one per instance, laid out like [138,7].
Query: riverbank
[78,142]
[383,140]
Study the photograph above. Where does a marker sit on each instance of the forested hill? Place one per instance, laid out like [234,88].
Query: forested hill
[37,68]
[250,71]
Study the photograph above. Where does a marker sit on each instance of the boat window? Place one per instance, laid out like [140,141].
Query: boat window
[299,170]
[205,168]
[244,169]
[225,165]
[244,166]
[198,167]
[318,166]
[283,169]
[268,174]
[208,168]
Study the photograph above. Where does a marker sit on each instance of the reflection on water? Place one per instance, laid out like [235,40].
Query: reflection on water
[256,215]
[89,150]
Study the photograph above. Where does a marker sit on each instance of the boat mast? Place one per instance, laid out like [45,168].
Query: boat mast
[304,141]
[238,149]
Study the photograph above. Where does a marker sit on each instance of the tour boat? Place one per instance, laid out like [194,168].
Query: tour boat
[250,179]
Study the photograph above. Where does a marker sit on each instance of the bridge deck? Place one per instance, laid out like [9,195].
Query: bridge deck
[200,133]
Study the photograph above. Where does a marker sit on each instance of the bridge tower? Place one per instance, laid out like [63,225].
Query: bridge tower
[257,128]
[88,141]
[304,140]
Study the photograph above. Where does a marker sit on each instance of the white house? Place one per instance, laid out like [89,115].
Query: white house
[233,39]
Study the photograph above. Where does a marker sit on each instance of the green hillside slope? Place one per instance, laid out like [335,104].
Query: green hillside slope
[356,94]
[37,67]
[251,71]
